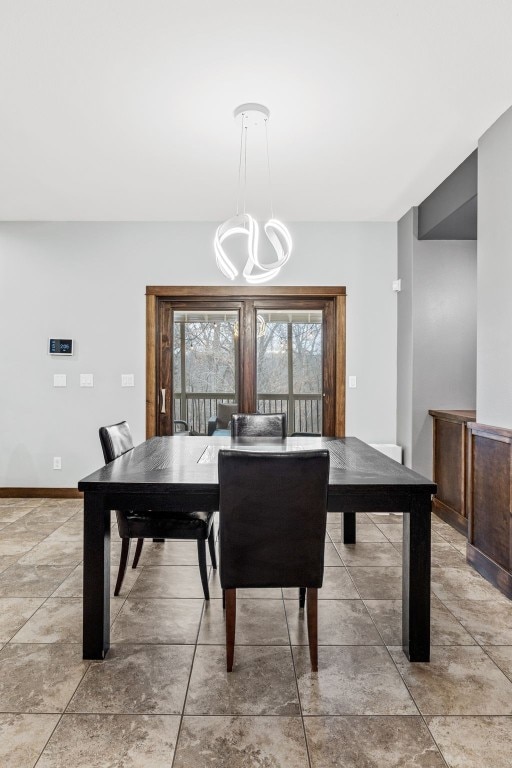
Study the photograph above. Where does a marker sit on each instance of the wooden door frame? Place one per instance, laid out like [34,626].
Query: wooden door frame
[156,295]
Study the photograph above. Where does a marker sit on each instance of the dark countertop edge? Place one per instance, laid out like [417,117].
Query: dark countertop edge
[461,417]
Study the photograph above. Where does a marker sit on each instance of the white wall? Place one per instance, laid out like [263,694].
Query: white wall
[494,371]
[87,281]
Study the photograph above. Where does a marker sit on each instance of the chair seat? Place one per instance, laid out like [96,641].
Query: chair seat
[221,432]
[182,525]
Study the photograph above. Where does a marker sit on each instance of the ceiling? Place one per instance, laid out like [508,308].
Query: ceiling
[122,109]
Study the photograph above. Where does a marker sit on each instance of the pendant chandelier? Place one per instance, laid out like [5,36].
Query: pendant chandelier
[242,223]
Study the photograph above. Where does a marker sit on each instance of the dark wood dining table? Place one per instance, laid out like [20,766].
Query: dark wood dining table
[180,472]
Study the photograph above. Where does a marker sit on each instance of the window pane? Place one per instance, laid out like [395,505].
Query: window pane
[289,367]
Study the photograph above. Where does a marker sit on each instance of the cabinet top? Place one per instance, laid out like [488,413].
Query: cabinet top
[459,416]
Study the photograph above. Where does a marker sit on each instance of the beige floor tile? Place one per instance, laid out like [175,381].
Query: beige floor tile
[258,622]
[502,655]
[371,742]
[6,561]
[337,585]
[458,681]
[490,623]
[386,518]
[392,531]
[166,620]
[331,556]
[340,622]
[71,530]
[16,546]
[262,682]
[39,678]
[369,554]
[58,620]
[473,742]
[365,532]
[168,581]
[54,553]
[351,680]
[446,555]
[173,553]
[445,629]
[123,741]
[22,738]
[72,586]
[377,582]
[241,742]
[14,612]
[32,580]
[462,583]
[136,679]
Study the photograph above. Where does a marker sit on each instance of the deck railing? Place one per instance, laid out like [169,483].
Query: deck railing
[304,412]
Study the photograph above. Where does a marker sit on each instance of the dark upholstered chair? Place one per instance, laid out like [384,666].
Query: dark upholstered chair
[116,440]
[222,419]
[273,509]
[258,425]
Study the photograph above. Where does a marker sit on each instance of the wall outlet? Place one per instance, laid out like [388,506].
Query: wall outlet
[57,462]
[397,285]
[59,380]
[352,382]
[86,380]
[127,380]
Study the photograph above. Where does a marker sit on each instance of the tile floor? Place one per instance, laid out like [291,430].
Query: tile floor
[162,696]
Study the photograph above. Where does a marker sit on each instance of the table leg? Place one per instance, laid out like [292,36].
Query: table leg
[96,610]
[416,579]
[348,527]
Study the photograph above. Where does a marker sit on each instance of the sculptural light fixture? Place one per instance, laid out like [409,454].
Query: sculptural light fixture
[255,270]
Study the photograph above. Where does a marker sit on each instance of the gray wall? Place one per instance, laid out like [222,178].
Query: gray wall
[405,236]
[87,281]
[437,328]
[494,372]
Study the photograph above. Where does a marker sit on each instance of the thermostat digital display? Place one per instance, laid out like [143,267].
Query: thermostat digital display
[60,346]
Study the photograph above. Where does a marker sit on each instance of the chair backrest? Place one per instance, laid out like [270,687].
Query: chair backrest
[224,413]
[115,440]
[273,509]
[258,425]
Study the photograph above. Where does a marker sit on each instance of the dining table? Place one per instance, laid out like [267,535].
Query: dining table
[180,473]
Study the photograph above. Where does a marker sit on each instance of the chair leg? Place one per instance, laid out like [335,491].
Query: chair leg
[211,547]
[302,597]
[138,550]
[201,553]
[123,562]
[312,610]
[230,627]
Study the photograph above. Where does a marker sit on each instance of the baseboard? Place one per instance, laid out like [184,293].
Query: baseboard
[40,493]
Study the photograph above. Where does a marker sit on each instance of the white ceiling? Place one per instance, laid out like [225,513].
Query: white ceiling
[122,109]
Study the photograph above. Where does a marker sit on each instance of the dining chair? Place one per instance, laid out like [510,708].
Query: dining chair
[258,425]
[273,510]
[116,440]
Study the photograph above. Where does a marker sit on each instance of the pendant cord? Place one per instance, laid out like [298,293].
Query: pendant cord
[239,168]
[268,168]
[245,168]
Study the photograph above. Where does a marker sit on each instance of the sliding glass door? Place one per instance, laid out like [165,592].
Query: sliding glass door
[274,350]
[289,367]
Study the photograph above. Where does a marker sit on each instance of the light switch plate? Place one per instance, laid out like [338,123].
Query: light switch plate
[86,380]
[397,285]
[59,380]
[352,382]
[127,380]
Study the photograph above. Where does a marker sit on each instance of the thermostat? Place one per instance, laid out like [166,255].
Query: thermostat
[60,346]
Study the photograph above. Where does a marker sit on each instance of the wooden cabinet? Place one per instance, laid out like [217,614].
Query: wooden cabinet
[489,548]
[450,466]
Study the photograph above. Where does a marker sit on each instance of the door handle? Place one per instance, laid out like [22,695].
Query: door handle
[162,401]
